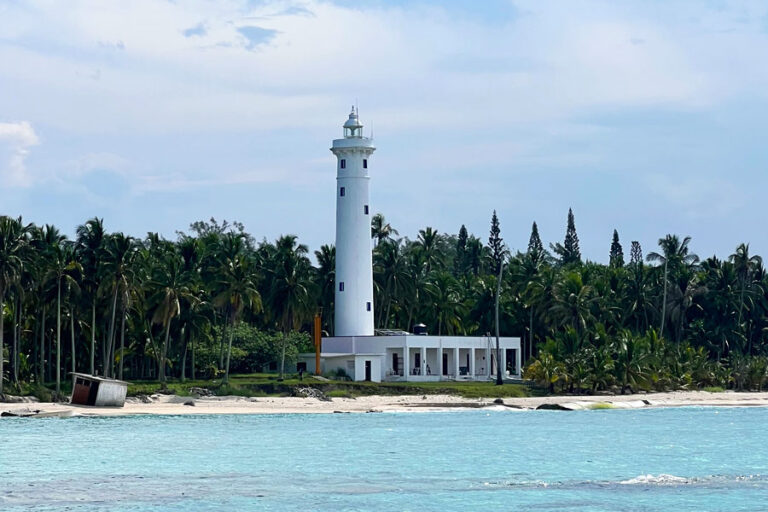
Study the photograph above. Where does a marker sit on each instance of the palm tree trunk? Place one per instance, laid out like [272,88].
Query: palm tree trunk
[2,318]
[184,355]
[42,347]
[16,320]
[122,342]
[664,301]
[108,359]
[224,326]
[93,335]
[72,333]
[164,351]
[58,340]
[530,338]
[229,350]
[192,341]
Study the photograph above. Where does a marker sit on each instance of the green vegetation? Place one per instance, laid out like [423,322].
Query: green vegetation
[597,406]
[269,384]
[216,305]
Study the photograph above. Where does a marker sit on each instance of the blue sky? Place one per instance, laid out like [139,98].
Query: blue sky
[645,116]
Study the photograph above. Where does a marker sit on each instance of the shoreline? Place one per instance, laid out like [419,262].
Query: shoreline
[178,405]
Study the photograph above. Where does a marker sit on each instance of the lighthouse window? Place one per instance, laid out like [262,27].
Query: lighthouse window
[343,164]
[341,286]
[365,209]
[342,191]
[367,306]
[365,163]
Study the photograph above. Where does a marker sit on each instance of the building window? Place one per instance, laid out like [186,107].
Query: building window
[341,286]
[367,306]
[343,164]
[365,209]
[342,191]
[365,163]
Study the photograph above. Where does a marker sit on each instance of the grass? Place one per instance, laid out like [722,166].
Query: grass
[600,405]
[714,389]
[265,384]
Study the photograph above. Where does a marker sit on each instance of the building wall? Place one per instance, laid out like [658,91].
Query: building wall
[386,344]
[111,394]
[354,266]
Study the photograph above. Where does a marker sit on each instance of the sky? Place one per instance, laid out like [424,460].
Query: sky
[648,117]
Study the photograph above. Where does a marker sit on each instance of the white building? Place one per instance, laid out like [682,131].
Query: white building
[391,355]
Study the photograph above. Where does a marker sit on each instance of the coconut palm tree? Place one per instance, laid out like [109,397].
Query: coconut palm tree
[118,262]
[289,289]
[167,288]
[572,302]
[381,229]
[63,274]
[390,274]
[13,242]
[90,250]
[429,243]
[675,253]
[236,288]
[445,303]
[745,266]
[325,281]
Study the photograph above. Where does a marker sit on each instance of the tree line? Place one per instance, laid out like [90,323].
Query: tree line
[214,300]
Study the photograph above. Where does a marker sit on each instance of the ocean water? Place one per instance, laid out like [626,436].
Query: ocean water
[702,459]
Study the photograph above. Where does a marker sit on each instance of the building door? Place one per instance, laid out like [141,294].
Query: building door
[511,361]
[395,365]
[368,371]
[417,363]
[445,363]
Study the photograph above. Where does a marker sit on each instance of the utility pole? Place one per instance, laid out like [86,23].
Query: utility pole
[499,380]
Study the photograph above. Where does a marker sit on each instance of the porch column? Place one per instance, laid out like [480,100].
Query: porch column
[439,371]
[406,362]
[472,362]
[423,369]
[456,363]
[503,362]
[488,360]
[519,360]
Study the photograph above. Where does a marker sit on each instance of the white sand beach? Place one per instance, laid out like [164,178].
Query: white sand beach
[176,405]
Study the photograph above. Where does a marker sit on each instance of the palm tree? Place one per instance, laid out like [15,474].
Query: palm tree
[325,279]
[289,292]
[381,229]
[390,275]
[167,287]
[675,254]
[236,288]
[119,255]
[572,303]
[745,266]
[13,241]
[90,248]
[64,273]
[429,244]
[445,302]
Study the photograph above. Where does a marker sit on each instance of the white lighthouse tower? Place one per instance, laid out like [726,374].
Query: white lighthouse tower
[354,266]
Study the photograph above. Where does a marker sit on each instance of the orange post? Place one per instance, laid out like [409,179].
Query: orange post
[318,343]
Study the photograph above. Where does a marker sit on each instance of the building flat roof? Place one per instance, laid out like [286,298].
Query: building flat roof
[97,378]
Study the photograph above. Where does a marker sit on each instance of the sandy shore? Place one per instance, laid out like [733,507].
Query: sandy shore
[174,405]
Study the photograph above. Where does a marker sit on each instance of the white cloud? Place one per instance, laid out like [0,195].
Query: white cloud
[15,141]
[409,68]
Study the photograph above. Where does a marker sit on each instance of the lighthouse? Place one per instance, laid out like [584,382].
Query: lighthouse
[391,354]
[354,265]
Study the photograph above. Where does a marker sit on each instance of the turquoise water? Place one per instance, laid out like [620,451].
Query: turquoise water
[660,459]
